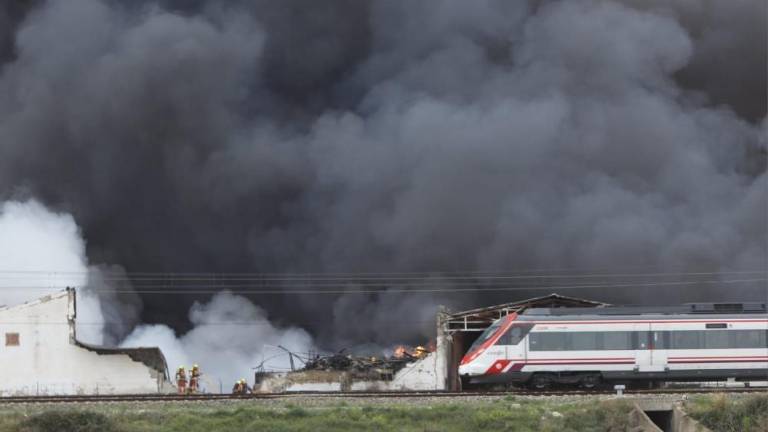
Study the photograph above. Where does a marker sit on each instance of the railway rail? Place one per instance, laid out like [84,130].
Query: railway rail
[207,397]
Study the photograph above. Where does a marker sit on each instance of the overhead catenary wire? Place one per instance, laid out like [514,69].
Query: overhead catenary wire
[172,276]
[260,290]
[377,280]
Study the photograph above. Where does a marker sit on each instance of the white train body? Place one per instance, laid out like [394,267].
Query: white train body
[588,346]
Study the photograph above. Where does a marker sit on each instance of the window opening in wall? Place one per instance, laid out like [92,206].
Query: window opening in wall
[11,339]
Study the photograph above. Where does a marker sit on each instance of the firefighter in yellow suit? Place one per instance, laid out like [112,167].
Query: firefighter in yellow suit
[194,379]
[181,380]
[240,387]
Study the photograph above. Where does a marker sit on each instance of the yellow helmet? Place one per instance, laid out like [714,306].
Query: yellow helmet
[194,366]
[181,367]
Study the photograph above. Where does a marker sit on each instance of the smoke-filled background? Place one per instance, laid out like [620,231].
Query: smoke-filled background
[385,137]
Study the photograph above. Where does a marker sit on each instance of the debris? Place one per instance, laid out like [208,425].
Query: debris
[383,368]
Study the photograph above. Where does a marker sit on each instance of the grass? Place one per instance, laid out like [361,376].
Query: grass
[73,421]
[719,413]
[500,415]
[723,414]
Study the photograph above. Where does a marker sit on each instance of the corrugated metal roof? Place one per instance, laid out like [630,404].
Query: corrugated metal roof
[480,318]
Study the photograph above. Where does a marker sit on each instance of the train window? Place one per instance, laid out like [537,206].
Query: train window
[747,339]
[660,339]
[685,340]
[487,334]
[641,340]
[584,341]
[548,341]
[515,334]
[617,340]
[716,339]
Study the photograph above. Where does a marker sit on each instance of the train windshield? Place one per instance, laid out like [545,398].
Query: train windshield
[487,334]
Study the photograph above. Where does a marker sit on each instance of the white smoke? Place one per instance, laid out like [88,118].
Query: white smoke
[231,337]
[42,252]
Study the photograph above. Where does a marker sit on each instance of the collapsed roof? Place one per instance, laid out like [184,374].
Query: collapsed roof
[479,319]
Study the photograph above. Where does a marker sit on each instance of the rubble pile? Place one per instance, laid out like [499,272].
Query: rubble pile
[383,368]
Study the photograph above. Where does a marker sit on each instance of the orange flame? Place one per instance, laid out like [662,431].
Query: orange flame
[400,351]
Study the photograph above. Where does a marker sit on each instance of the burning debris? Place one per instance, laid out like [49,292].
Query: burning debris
[362,366]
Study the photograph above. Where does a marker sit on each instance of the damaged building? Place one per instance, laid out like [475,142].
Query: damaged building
[436,370]
[41,355]
[382,375]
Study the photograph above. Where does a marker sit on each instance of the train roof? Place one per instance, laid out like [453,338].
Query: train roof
[688,310]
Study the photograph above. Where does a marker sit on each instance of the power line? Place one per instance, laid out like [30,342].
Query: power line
[432,279]
[138,276]
[259,290]
[449,285]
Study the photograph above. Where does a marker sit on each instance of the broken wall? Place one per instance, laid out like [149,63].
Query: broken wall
[423,374]
[40,355]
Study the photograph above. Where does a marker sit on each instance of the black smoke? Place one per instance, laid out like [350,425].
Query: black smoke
[392,136]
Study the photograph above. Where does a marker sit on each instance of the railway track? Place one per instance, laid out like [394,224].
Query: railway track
[390,394]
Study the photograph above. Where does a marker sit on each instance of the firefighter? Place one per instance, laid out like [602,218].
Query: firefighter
[239,387]
[420,352]
[246,389]
[194,380]
[181,380]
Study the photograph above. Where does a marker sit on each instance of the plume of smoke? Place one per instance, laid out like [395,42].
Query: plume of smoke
[231,336]
[42,252]
[394,136]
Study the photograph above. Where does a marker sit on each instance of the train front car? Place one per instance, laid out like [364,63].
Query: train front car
[498,354]
[586,347]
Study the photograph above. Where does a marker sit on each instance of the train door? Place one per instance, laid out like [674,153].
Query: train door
[643,354]
[517,346]
[658,350]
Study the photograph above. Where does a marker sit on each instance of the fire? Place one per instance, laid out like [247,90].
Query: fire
[400,351]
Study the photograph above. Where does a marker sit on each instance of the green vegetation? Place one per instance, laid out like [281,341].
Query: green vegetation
[74,421]
[719,413]
[723,414]
[500,415]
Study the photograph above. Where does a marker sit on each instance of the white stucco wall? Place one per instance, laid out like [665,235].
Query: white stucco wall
[424,374]
[48,362]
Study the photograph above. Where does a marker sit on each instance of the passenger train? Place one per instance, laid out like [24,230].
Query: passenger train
[590,346]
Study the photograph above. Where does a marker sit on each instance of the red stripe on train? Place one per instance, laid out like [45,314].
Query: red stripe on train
[682,321]
[720,361]
[497,367]
[717,357]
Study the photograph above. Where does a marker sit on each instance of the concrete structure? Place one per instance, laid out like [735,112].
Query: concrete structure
[668,414]
[40,355]
[423,374]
